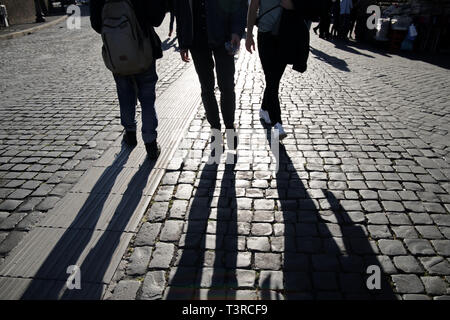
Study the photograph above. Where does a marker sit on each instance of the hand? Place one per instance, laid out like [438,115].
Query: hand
[249,43]
[287,4]
[235,41]
[185,55]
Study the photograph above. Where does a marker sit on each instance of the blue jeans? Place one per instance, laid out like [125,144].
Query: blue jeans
[141,86]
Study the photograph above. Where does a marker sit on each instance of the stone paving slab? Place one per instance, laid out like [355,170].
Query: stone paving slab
[99,212]
[116,180]
[47,252]
[12,288]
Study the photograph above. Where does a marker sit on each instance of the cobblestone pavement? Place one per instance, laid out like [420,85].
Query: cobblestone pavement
[59,113]
[363,181]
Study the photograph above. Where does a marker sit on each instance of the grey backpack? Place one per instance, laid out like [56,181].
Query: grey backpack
[126,49]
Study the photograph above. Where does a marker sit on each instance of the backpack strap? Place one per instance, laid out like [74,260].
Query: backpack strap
[271,9]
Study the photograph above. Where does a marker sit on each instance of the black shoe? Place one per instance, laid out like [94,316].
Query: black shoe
[130,138]
[153,150]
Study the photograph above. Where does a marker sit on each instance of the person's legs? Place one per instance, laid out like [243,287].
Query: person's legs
[360,28]
[146,83]
[274,87]
[335,29]
[126,92]
[351,27]
[266,54]
[325,26]
[322,26]
[225,79]
[204,66]
[39,13]
[345,25]
[273,70]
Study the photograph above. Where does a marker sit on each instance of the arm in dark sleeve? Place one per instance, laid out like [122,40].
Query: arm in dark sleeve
[239,17]
[156,10]
[184,23]
[96,7]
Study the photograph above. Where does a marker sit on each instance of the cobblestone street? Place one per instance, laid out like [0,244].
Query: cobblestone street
[363,176]
[363,180]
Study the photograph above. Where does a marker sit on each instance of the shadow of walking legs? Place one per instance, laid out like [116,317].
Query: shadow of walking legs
[226,237]
[187,276]
[325,254]
[83,230]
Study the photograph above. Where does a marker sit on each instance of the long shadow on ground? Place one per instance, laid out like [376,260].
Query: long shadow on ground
[48,283]
[326,254]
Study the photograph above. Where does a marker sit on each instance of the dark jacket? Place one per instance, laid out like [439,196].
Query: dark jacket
[336,9]
[223,17]
[294,37]
[171,5]
[149,13]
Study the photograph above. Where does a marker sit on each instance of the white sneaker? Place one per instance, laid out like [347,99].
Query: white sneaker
[263,114]
[279,131]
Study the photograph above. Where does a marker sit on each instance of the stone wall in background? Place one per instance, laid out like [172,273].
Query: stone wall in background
[20,11]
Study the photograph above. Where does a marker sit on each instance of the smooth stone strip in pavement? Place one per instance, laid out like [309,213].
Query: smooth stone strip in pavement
[93,224]
[52,250]
[17,287]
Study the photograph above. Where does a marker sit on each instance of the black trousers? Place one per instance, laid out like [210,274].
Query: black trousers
[205,59]
[273,67]
[172,20]
[324,28]
[344,21]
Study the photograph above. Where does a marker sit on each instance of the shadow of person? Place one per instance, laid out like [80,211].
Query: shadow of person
[169,43]
[332,61]
[437,59]
[368,47]
[209,248]
[187,275]
[325,254]
[344,47]
[357,246]
[83,229]
[226,237]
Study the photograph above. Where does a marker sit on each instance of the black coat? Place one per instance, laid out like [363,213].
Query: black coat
[223,17]
[149,13]
[294,37]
